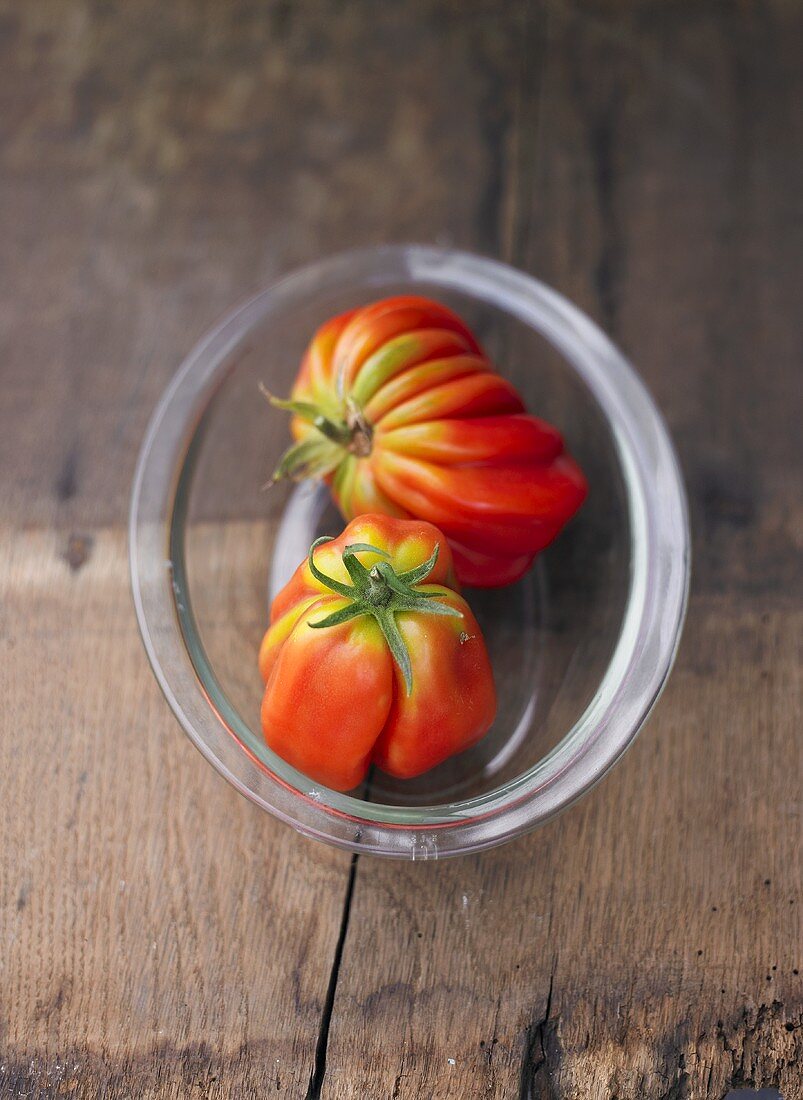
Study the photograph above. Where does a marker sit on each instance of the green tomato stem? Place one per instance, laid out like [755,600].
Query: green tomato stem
[383,593]
[319,455]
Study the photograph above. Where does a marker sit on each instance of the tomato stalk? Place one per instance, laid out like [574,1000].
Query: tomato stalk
[383,593]
[315,456]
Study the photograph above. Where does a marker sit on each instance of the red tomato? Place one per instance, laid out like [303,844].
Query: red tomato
[397,407]
[373,657]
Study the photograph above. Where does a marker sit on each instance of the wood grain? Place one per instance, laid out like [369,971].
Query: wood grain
[158,935]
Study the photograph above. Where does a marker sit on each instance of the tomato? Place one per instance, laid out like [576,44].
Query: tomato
[399,409]
[372,656]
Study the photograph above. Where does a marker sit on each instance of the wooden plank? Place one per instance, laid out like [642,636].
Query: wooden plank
[648,943]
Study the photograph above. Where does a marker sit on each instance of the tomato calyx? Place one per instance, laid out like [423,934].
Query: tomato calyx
[383,593]
[320,454]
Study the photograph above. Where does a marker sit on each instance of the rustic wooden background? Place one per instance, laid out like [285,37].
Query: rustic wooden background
[159,936]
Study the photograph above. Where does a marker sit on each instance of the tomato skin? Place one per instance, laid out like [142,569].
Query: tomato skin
[335,699]
[448,651]
[448,439]
[327,694]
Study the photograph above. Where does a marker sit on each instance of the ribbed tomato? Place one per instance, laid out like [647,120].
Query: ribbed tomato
[373,657]
[398,408]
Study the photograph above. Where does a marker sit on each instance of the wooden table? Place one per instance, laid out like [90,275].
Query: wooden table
[159,936]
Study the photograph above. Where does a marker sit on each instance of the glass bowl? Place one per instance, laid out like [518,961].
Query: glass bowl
[581,647]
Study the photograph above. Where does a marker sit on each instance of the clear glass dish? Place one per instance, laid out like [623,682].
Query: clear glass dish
[581,647]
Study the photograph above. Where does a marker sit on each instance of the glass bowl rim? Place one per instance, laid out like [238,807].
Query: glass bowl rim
[652,620]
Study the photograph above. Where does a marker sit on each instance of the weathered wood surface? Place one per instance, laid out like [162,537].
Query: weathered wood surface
[158,935]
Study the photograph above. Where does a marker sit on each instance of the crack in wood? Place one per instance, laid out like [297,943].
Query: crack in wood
[608,268]
[535,1084]
[66,485]
[321,1048]
[491,1048]
[526,136]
